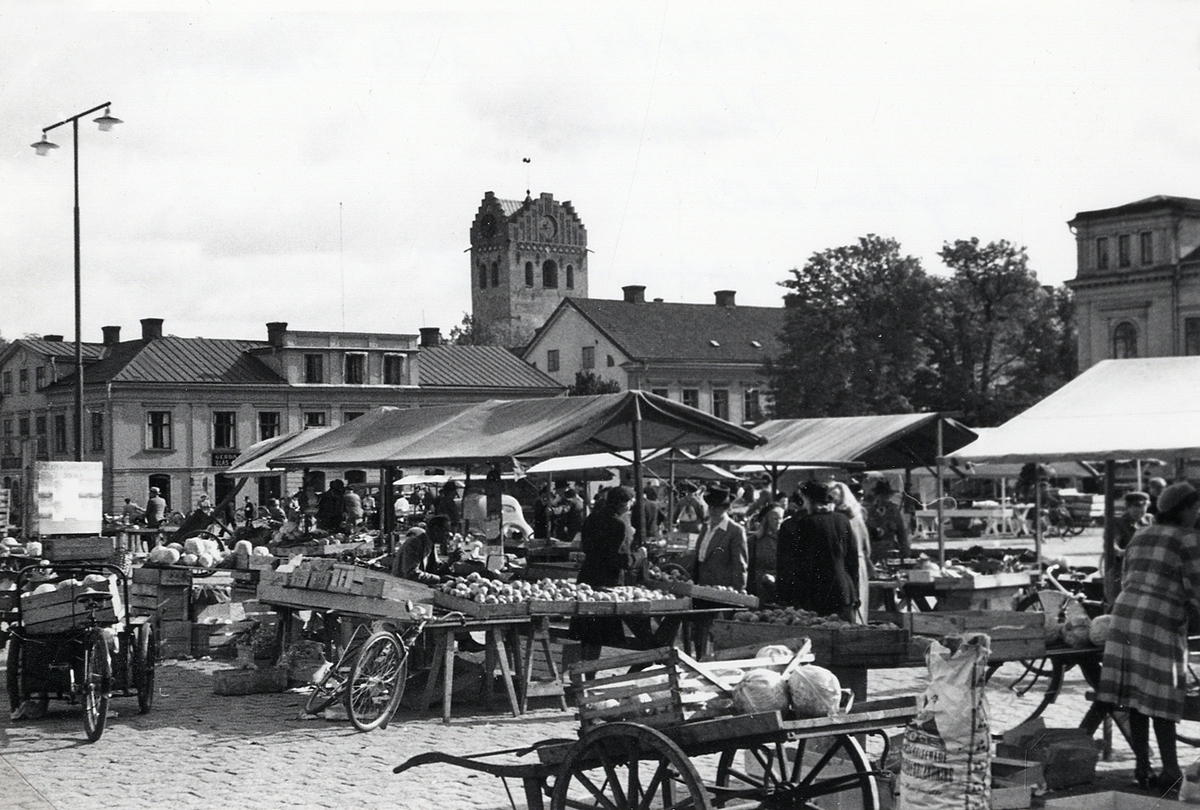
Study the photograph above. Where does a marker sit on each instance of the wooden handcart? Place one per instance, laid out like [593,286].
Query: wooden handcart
[643,755]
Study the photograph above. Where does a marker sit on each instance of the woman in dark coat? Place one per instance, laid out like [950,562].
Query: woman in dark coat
[817,560]
[1145,657]
[604,540]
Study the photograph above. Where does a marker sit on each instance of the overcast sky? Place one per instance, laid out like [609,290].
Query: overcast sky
[320,163]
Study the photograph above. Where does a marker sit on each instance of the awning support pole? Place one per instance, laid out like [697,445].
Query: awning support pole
[1110,527]
[1037,519]
[639,515]
[941,529]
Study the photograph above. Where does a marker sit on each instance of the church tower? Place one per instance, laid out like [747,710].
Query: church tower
[526,257]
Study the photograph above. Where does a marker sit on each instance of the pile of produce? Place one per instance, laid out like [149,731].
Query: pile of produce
[198,552]
[792,616]
[486,591]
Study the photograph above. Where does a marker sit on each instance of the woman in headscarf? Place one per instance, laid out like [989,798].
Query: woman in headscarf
[845,503]
[817,562]
[605,541]
[1145,658]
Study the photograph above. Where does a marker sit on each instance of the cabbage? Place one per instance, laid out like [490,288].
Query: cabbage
[1077,626]
[188,559]
[243,547]
[206,561]
[1101,626]
[163,555]
[762,690]
[45,587]
[33,548]
[778,653]
[261,551]
[1054,634]
[177,546]
[815,691]
[192,546]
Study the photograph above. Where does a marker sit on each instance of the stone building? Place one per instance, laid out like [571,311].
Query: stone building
[1137,286]
[526,257]
[173,412]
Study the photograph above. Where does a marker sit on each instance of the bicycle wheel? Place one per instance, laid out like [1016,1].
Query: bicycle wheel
[94,685]
[145,656]
[376,681]
[325,692]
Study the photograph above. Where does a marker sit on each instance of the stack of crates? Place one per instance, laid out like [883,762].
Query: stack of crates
[165,594]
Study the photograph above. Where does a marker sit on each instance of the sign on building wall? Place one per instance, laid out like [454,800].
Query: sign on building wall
[70,497]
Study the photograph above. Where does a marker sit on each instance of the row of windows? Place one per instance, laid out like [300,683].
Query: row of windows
[160,434]
[23,380]
[549,275]
[1125,249]
[1125,339]
[354,369]
[587,360]
[61,436]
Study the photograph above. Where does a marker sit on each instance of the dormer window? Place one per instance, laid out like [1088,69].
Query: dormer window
[393,369]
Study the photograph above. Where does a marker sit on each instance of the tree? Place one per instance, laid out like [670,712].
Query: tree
[470,333]
[852,334]
[587,384]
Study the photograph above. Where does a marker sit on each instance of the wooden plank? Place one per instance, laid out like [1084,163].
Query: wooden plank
[339,602]
[660,655]
[651,607]
[483,611]
[709,594]
[541,607]
[383,586]
[67,549]
[163,576]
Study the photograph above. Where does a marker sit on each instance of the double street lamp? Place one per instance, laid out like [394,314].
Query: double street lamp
[43,147]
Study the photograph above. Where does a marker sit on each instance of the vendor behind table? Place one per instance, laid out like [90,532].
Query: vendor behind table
[722,558]
[605,539]
[817,559]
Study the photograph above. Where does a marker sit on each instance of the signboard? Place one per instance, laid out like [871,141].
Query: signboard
[223,458]
[4,508]
[70,497]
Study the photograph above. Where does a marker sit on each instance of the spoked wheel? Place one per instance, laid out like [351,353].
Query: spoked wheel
[621,766]
[13,672]
[826,772]
[376,681]
[1019,691]
[145,656]
[94,685]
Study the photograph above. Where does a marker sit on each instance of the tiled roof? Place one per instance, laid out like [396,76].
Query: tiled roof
[510,207]
[687,332]
[479,366]
[62,348]
[178,360]
[1159,201]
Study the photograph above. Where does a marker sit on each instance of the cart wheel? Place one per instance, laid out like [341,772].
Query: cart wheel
[628,765]
[13,671]
[145,657]
[835,774]
[376,681]
[1023,688]
[95,685]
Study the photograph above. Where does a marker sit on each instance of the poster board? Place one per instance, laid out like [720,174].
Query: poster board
[70,497]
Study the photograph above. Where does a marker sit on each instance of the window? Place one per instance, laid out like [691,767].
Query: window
[691,397]
[1147,245]
[495,274]
[528,274]
[720,403]
[224,430]
[1124,341]
[611,362]
[1123,250]
[751,405]
[8,434]
[350,416]
[268,425]
[39,378]
[1191,336]
[40,426]
[589,356]
[661,392]
[1102,253]
[23,380]
[356,369]
[314,419]
[314,368]
[393,369]
[482,276]
[97,432]
[550,275]
[570,277]
[552,360]
[60,433]
[23,427]
[158,430]
[7,382]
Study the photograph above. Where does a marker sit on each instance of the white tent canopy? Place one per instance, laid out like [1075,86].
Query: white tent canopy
[1116,410]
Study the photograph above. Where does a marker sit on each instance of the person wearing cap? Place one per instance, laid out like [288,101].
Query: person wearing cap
[416,557]
[156,509]
[817,561]
[1131,521]
[447,503]
[1145,658]
[722,557]
[885,522]
[331,507]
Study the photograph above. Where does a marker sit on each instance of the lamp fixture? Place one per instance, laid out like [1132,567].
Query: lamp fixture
[107,121]
[44,146]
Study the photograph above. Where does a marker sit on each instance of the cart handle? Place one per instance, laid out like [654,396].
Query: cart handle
[471,762]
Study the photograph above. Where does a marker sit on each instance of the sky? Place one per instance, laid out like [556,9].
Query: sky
[321,163]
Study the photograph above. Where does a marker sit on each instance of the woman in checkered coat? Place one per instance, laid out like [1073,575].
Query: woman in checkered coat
[1146,653]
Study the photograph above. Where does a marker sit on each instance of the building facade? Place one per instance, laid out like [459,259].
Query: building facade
[173,412]
[1137,285]
[526,257]
[708,356]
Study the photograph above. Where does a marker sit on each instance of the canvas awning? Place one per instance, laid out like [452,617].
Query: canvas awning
[1116,410]
[886,442]
[254,460]
[525,430]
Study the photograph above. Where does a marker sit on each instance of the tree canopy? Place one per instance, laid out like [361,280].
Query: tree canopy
[588,384]
[868,331]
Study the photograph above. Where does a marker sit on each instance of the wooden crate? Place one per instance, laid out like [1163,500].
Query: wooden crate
[218,640]
[868,645]
[704,593]
[651,697]
[726,633]
[68,549]
[344,603]
[174,639]
[541,607]
[249,681]
[163,576]
[57,611]
[957,622]
[652,607]
[471,608]
[383,586]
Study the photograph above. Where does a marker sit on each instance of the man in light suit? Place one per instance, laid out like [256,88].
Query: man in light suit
[722,558]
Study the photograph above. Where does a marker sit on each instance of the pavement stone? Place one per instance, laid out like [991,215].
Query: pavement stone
[199,749]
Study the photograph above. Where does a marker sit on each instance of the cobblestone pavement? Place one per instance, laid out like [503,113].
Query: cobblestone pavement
[196,749]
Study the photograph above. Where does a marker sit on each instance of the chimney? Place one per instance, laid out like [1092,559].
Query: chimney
[430,336]
[53,338]
[725,298]
[275,332]
[151,328]
[112,335]
[635,293]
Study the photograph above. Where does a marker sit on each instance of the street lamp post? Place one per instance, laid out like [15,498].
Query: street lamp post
[43,147]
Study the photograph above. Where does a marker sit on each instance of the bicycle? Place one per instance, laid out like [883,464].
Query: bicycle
[1056,521]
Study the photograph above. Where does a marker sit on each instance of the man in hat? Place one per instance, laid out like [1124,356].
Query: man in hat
[722,557]
[156,509]
[1131,521]
[568,515]
[447,503]
[885,522]
[690,512]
